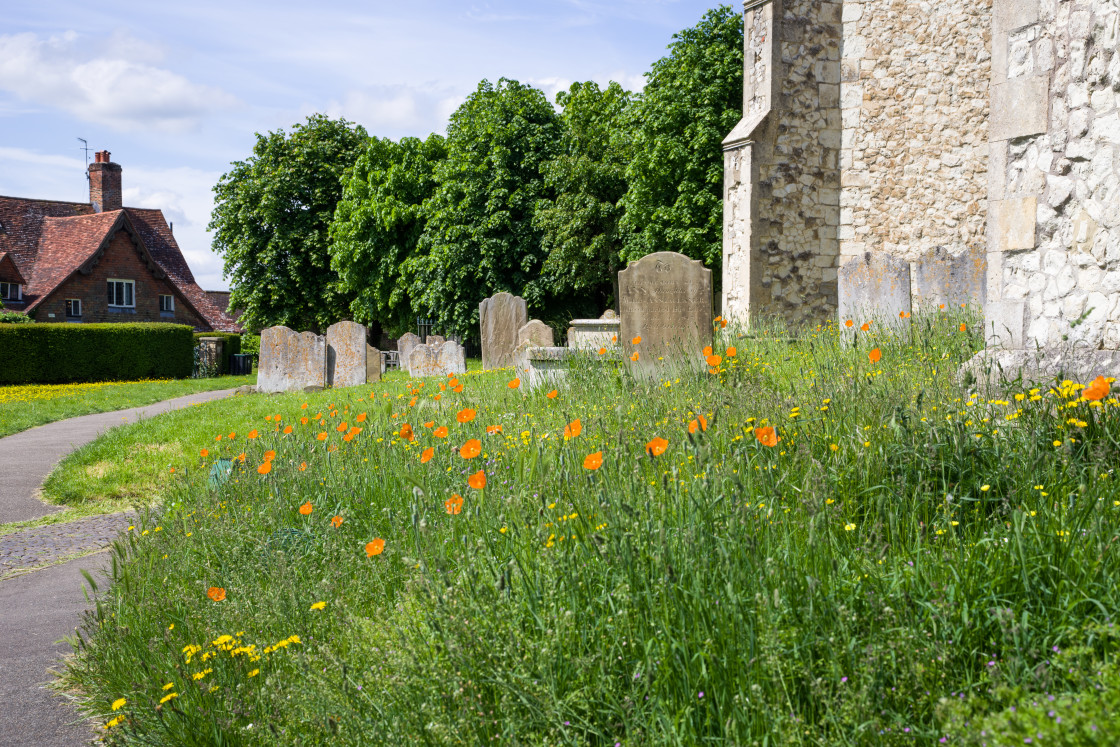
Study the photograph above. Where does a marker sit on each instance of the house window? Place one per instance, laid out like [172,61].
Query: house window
[167,303]
[11,291]
[121,293]
[73,308]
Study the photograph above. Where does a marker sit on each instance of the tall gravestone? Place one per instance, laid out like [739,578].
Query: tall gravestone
[375,364]
[666,300]
[423,361]
[500,316]
[405,344]
[874,286]
[452,358]
[291,361]
[272,370]
[346,354]
[309,361]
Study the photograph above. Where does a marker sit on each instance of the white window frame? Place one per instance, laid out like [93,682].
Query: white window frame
[77,301]
[18,294]
[170,303]
[131,293]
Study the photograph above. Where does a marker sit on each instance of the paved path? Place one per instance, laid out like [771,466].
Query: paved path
[38,609]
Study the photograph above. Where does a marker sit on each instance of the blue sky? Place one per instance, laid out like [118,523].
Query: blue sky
[176,91]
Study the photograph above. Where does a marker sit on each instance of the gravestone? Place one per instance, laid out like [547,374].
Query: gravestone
[346,354]
[423,361]
[536,332]
[405,345]
[434,341]
[876,287]
[941,278]
[666,300]
[452,358]
[273,374]
[500,316]
[308,360]
[448,358]
[375,364]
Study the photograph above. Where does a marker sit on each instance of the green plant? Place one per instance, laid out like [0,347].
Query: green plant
[231,345]
[8,316]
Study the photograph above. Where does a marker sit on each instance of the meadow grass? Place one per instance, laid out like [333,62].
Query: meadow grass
[26,406]
[899,561]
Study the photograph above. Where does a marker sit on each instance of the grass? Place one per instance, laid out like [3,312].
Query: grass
[23,407]
[900,561]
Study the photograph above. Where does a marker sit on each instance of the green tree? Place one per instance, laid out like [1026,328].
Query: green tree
[480,237]
[692,99]
[271,218]
[580,223]
[377,225]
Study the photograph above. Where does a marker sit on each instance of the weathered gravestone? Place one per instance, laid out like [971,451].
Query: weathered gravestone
[944,279]
[876,287]
[423,361]
[434,341]
[375,364]
[346,354]
[405,344]
[448,358]
[534,334]
[666,300]
[452,358]
[291,361]
[500,316]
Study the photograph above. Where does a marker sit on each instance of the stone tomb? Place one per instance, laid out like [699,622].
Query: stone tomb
[346,354]
[666,300]
[874,287]
[405,344]
[500,317]
[291,361]
[448,358]
[592,334]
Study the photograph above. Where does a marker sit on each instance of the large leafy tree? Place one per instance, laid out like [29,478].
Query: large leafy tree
[377,225]
[580,222]
[692,99]
[480,237]
[270,222]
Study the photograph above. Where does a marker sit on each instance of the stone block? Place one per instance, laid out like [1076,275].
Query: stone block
[592,334]
[452,358]
[1008,15]
[273,369]
[1013,223]
[308,360]
[1020,107]
[1005,323]
[346,354]
[666,300]
[942,278]
[1042,366]
[874,287]
[547,365]
[500,317]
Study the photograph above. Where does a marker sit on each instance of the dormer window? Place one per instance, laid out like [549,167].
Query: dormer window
[11,291]
[121,294]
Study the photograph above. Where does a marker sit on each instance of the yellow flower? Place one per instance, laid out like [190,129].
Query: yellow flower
[169,685]
[985,488]
[119,703]
[849,527]
[254,673]
[318,605]
[834,447]
[168,697]
[503,530]
[114,722]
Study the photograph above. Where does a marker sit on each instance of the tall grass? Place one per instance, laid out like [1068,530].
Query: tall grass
[903,565]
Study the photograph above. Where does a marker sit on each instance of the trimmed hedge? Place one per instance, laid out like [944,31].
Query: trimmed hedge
[61,353]
[231,345]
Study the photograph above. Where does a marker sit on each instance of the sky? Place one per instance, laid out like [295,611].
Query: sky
[177,91]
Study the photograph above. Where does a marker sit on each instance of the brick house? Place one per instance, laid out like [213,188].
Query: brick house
[99,261]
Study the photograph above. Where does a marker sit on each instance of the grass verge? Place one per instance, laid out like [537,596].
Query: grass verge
[821,540]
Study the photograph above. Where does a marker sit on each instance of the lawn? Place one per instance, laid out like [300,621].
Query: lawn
[23,407]
[825,539]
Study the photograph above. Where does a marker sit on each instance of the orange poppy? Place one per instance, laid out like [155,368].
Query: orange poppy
[514,384]
[875,355]
[268,417]
[426,455]
[375,547]
[1097,390]
[306,508]
[204,453]
[412,401]
[322,436]
[963,327]
[287,429]
[232,435]
[429,424]
[443,387]
[253,433]
[602,351]
[707,351]
[302,466]
[941,306]
[218,438]
[767,436]
[265,468]
[342,426]
[269,455]
[573,429]
[457,388]
[634,357]
[637,340]
[465,416]
[904,315]
[303,420]
[477,480]
[336,522]
[492,429]
[303,406]
[361,418]
[471,449]
[614,338]
[593,461]
[700,423]
[406,432]
[241,457]
[865,326]
[552,394]
[440,432]
[454,504]
[349,437]
[216,593]
[849,323]
[657,446]
[437,397]
[714,360]
[731,352]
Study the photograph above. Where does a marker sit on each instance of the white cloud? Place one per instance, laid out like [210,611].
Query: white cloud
[398,110]
[109,81]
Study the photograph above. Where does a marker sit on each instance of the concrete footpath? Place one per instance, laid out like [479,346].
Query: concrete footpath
[38,609]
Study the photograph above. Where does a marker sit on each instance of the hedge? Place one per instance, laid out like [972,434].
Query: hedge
[231,345]
[61,353]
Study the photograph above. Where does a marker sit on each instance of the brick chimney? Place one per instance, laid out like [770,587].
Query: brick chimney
[104,183]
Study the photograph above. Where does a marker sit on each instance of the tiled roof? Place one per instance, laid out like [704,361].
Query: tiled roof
[9,273]
[49,240]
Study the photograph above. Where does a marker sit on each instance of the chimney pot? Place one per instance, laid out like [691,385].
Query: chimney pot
[104,183]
